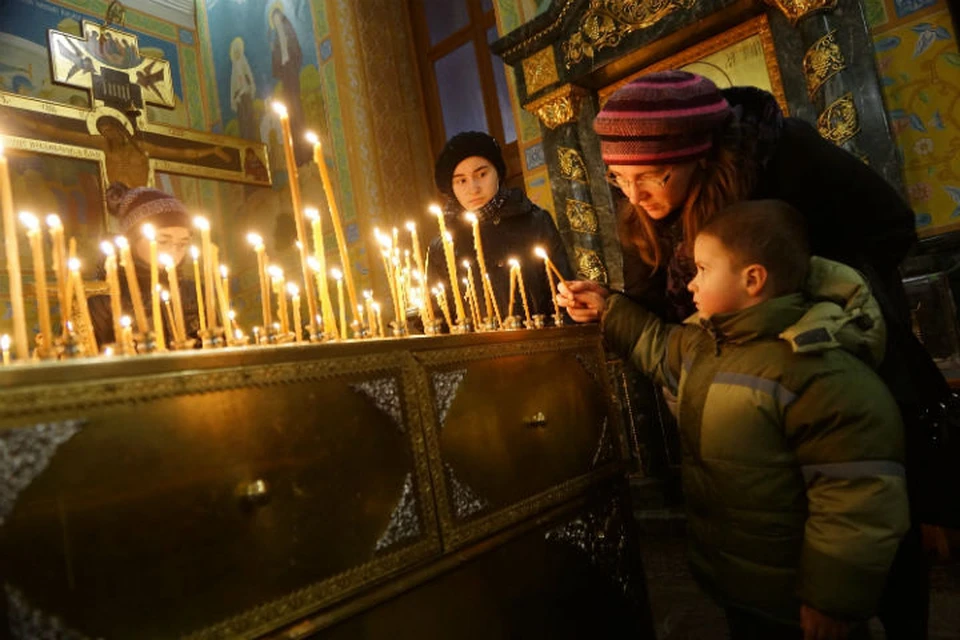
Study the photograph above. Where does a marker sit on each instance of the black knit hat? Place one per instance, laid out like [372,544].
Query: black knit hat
[460,147]
[144,204]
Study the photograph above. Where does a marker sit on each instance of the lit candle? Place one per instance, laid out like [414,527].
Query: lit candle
[386,248]
[481,263]
[472,291]
[126,335]
[178,325]
[209,267]
[376,315]
[426,309]
[513,286]
[5,346]
[496,307]
[35,235]
[222,285]
[165,298]
[326,320]
[136,298]
[320,258]
[546,265]
[334,216]
[59,245]
[258,247]
[151,234]
[368,303]
[294,291]
[293,180]
[276,277]
[75,288]
[338,276]
[447,241]
[442,303]
[541,253]
[515,264]
[195,253]
[20,344]
[113,286]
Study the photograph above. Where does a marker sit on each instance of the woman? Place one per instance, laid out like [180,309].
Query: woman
[469,174]
[680,150]
[133,208]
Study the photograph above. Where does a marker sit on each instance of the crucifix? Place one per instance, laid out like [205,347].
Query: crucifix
[115,130]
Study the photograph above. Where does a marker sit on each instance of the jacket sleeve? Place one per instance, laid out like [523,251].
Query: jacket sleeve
[853,214]
[649,343]
[848,438]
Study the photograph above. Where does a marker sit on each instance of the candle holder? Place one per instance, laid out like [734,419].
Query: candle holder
[183,345]
[147,342]
[241,341]
[359,330]
[212,338]
[70,346]
[317,335]
[41,350]
[265,335]
[557,319]
[398,330]
[489,324]
[433,328]
[463,327]
[537,321]
[512,323]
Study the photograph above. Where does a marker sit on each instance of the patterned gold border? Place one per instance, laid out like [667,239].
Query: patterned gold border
[759,25]
[797,10]
[540,70]
[822,61]
[558,107]
[840,121]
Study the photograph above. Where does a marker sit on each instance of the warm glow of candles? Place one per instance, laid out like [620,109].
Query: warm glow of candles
[20,344]
[320,259]
[198,285]
[222,287]
[75,290]
[540,253]
[209,269]
[338,276]
[327,324]
[447,241]
[133,285]
[5,346]
[472,292]
[513,286]
[441,297]
[35,235]
[481,261]
[113,286]
[151,234]
[515,266]
[260,250]
[426,309]
[368,304]
[294,292]
[178,326]
[379,320]
[334,217]
[279,288]
[59,252]
[496,307]
[126,335]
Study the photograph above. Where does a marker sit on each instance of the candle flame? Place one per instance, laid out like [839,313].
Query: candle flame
[201,223]
[514,263]
[440,287]
[224,272]
[312,213]
[411,227]
[539,252]
[238,334]
[107,248]
[164,295]
[195,252]
[336,273]
[232,314]
[121,242]
[53,221]
[5,342]
[126,322]
[471,217]
[376,307]
[279,108]
[466,265]
[166,260]
[73,264]
[312,138]
[313,263]
[29,220]
[448,236]
[367,294]
[255,240]
[435,210]
[435,291]
[108,351]
[149,232]
[275,272]
[293,289]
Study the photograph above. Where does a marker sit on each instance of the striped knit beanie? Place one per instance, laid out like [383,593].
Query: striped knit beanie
[661,118]
[143,204]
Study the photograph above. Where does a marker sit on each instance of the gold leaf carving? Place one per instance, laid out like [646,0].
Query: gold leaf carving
[582,216]
[822,61]
[606,22]
[797,10]
[840,121]
[540,70]
[557,107]
[572,166]
[590,265]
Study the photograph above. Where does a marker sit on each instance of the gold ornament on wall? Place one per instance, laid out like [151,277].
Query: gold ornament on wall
[606,22]
[840,121]
[797,10]
[582,216]
[558,107]
[590,265]
[572,166]
[540,70]
[822,61]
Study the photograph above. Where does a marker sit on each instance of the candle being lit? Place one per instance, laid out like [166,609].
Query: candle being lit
[549,267]
[260,250]
[20,343]
[541,253]
[35,235]
[58,243]
[113,286]
[294,292]
[136,298]
[151,234]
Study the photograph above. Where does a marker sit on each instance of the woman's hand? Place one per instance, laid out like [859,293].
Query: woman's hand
[584,300]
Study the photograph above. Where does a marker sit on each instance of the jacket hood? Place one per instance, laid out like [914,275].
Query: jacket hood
[835,310]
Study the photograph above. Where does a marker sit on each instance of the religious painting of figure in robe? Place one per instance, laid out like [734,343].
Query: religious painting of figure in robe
[287,58]
[243,88]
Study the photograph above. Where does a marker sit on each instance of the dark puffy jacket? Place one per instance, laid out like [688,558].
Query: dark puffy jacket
[792,446]
[512,232]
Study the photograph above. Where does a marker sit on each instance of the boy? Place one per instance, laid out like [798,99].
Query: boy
[793,447]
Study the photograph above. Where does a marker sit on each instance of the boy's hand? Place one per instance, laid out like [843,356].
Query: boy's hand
[819,626]
[583,299]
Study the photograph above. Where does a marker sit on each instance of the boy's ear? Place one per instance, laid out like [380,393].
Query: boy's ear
[754,279]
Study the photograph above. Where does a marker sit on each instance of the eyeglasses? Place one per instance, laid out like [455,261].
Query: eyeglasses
[643,182]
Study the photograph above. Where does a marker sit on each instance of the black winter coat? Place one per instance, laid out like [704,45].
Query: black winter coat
[512,232]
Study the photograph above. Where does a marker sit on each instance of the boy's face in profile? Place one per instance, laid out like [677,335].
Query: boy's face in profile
[720,286]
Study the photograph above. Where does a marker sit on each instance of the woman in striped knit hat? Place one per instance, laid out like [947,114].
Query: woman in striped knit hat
[678,151]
